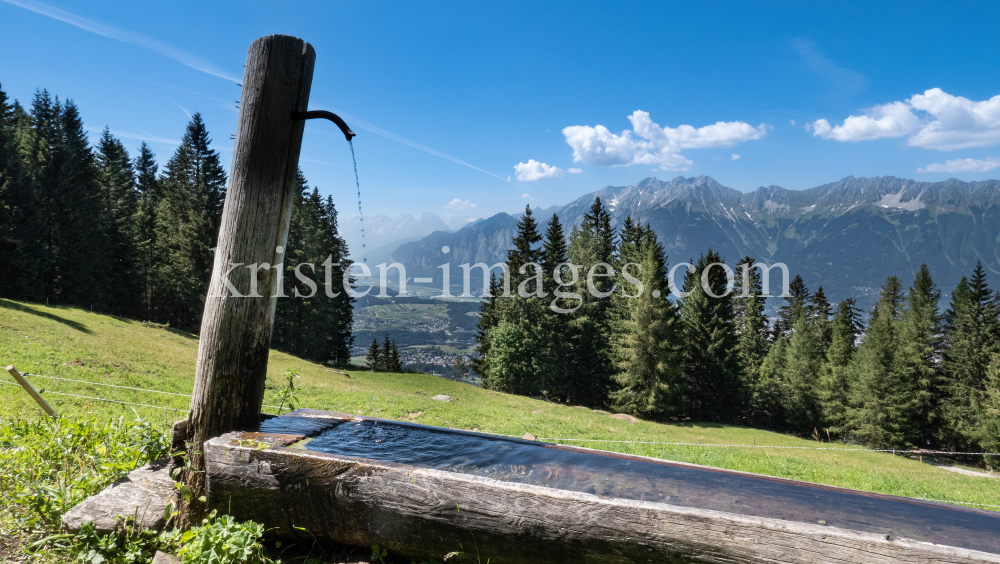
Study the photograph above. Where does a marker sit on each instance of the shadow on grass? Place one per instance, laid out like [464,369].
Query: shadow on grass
[7,304]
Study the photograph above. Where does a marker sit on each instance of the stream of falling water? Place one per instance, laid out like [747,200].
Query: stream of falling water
[357,182]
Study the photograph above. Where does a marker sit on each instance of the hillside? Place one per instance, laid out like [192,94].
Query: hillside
[78,345]
[847,236]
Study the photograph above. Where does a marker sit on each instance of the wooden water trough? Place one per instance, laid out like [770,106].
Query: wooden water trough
[594,506]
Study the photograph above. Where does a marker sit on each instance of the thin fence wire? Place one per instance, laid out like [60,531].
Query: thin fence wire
[559,439]
[115,386]
[859,449]
[106,385]
[554,439]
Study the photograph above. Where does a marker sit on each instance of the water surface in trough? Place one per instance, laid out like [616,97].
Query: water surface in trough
[611,475]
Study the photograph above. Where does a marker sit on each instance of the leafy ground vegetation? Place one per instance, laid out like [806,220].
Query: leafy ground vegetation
[48,466]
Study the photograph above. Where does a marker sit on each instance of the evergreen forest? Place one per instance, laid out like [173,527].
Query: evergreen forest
[95,227]
[911,376]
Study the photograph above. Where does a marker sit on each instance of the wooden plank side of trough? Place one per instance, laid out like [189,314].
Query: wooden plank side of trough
[428,513]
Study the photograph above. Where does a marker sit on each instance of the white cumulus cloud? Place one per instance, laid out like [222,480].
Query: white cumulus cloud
[525,195]
[963,165]
[735,157]
[457,204]
[932,120]
[649,144]
[534,170]
[574,170]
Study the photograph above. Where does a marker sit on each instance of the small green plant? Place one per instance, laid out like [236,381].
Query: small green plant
[219,540]
[185,466]
[287,394]
[128,545]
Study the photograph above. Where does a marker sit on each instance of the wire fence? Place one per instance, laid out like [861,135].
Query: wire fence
[89,383]
[552,439]
[858,449]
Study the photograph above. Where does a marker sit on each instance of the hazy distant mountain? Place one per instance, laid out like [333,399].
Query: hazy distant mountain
[382,230]
[457,222]
[484,241]
[847,236]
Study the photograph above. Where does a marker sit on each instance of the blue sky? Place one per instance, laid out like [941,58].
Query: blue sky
[448,98]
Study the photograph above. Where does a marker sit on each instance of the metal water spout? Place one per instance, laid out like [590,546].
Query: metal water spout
[323,114]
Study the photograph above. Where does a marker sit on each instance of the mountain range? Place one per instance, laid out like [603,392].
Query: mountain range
[846,236]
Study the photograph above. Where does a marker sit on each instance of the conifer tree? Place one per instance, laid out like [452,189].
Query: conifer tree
[17,208]
[819,314]
[921,347]
[188,220]
[752,333]
[147,188]
[526,313]
[373,360]
[314,320]
[709,360]
[120,282]
[972,337]
[796,303]
[883,407]
[511,364]
[835,380]
[556,361]
[987,429]
[524,250]
[800,378]
[386,354]
[395,364]
[590,244]
[767,394]
[644,341]
[489,316]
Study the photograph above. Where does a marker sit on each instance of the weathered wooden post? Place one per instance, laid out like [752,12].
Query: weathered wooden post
[236,326]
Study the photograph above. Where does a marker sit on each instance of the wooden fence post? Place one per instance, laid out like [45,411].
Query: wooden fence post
[236,326]
[31,391]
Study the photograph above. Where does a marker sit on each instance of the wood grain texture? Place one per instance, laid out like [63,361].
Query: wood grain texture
[235,330]
[428,513]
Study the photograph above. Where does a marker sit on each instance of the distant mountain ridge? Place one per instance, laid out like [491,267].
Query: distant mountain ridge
[847,236]
[381,231]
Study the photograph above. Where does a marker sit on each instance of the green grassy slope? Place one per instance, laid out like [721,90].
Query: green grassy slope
[75,344]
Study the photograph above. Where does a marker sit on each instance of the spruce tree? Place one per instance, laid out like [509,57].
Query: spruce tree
[972,337]
[556,360]
[526,313]
[314,321]
[800,377]
[819,314]
[18,225]
[120,284]
[395,364]
[883,406]
[752,334]
[921,348]
[147,187]
[373,360]
[644,340]
[511,361]
[385,355]
[593,242]
[836,378]
[987,430]
[524,250]
[709,354]
[796,304]
[188,221]
[489,317]
[767,393]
